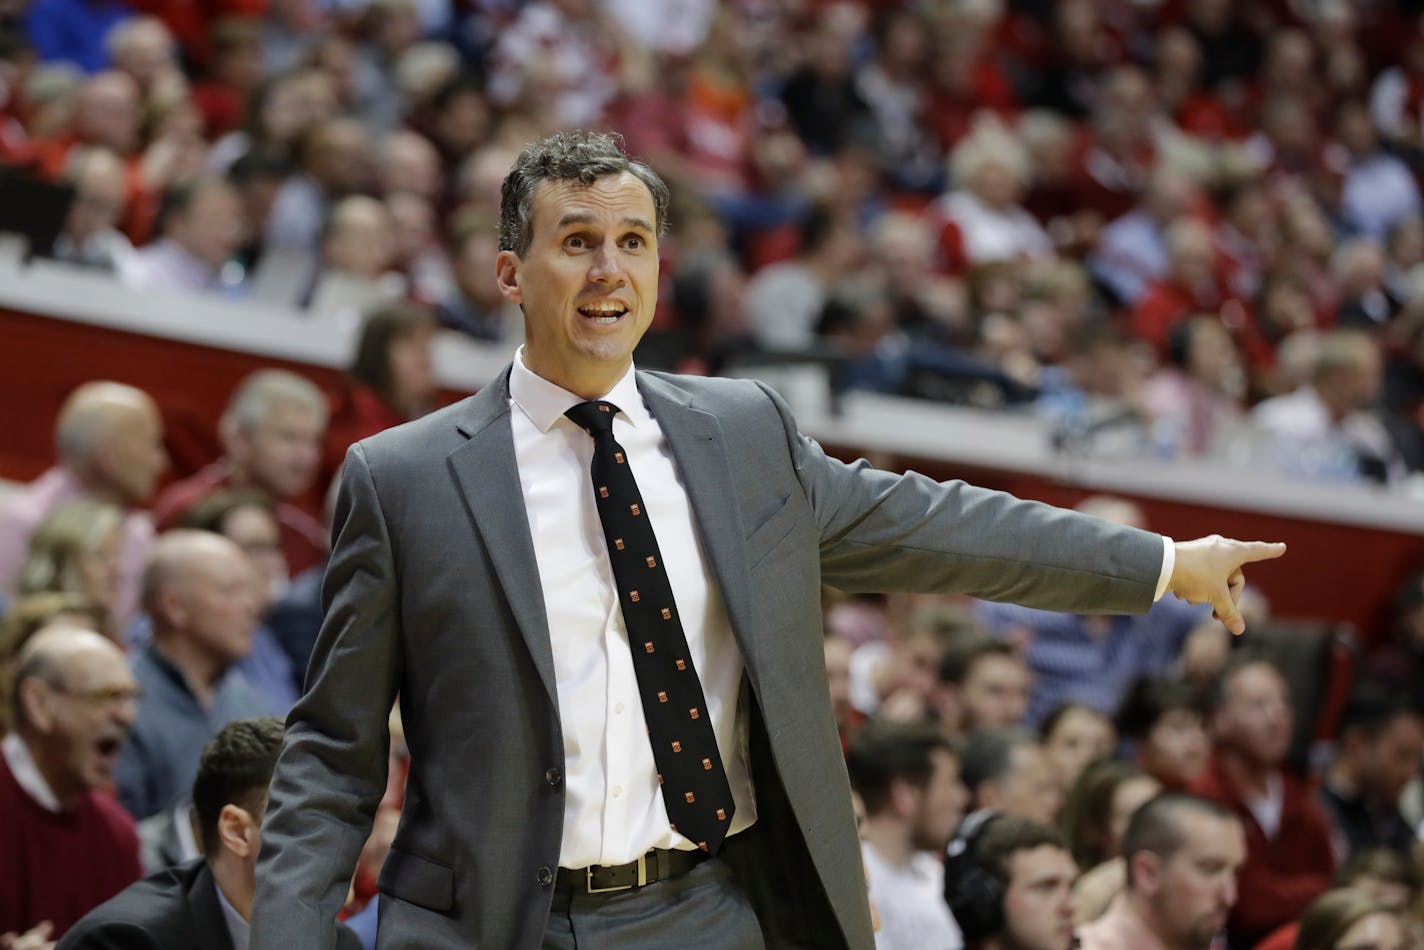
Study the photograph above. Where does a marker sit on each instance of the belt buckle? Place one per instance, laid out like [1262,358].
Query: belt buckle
[642,878]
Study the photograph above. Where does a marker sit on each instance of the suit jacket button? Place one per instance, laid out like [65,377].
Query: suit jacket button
[545,876]
[554,777]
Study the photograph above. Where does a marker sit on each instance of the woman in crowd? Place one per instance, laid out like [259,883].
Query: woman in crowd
[76,550]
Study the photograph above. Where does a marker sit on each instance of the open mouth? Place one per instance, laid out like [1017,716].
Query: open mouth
[109,746]
[604,314]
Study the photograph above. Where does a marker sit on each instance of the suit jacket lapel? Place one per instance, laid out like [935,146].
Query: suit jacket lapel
[700,447]
[206,911]
[488,474]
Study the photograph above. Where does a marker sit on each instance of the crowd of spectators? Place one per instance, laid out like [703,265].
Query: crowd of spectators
[1195,224]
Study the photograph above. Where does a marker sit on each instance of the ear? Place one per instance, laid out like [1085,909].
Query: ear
[171,606]
[1146,868]
[507,275]
[37,701]
[988,795]
[903,797]
[236,831]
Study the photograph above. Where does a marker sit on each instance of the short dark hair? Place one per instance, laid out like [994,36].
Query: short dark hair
[961,655]
[989,754]
[1157,825]
[235,769]
[1371,707]
[1049,725]
[209,513]
[1005,836]
[1149,698]
[883,751]
[568,156]
[1240,660]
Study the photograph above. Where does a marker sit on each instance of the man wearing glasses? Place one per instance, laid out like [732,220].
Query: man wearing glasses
[67,844]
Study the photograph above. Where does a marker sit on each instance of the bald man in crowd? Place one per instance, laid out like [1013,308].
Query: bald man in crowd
[109,442]
[198,591]
[67,845]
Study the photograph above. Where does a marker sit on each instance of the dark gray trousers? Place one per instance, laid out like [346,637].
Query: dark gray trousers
[702,909]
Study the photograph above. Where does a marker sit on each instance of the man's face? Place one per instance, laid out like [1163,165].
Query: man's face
[838,651]
[1391,759]
[1030,790]
[1176,749]
[282,455]
[1193,891]
[219,602]
[90,709]
[941,806]
[1038,905]
[995,692]
[1079,737]
[589,281]
[211,228]
[1255,717]
[255,530]
[132,455]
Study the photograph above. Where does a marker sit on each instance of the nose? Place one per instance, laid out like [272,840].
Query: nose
[605,268]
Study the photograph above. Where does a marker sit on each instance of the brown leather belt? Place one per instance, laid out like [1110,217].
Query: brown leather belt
[657,865]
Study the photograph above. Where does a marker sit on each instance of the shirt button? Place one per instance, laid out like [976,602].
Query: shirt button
[618,708]
[554,777]
[618,791]
[545,876]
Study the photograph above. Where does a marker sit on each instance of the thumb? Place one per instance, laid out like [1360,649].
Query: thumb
[1251,551]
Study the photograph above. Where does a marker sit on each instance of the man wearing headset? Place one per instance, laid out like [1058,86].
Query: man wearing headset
[1009,882]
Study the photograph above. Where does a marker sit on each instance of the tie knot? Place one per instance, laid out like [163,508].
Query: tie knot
[596,416]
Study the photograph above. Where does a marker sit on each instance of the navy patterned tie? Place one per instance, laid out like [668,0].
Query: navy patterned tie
[690,771]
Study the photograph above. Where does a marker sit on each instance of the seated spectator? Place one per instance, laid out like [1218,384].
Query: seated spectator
[1074,735]
[109,439]
[982,683]
[206,902]
[199,594]
[90,237]
[271,432]
[982,220]
[1346,918]
[1006,770]
[68,845]
[27,616]
[202,230]
[391,380]
[908,777]
[1324,429]
[1092,659]
[1199,391]
[1182,855]
[1398,662]
[785,299]
[77,550]
[357,253]
[1288,856]
[1164,721]
[474,305]
[1095,817]
[333,162]
[1378,189]
[1377,754]
[1189,286]
[1361,273]
[1008,881]
[838,652]
[1132,250]
[1383,874]
[897,678]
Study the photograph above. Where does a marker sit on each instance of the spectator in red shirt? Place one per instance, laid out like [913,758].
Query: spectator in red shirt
[1288,857]
[1189,286]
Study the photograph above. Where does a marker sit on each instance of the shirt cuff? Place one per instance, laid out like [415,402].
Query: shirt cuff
[1169,564]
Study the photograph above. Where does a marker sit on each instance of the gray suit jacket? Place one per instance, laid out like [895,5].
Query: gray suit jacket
[433,591]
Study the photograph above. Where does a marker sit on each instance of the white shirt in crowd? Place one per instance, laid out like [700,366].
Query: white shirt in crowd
[910,902]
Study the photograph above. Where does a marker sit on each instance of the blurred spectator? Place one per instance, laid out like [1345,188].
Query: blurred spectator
[233,74]
[896,678]
[1288,856]
[272,433]
[74,30]
[890,86]
[90,237]
[198,591]
[202,230]
[67,844]
[1324,430]
[1164,721]
[410,163]
[1397,662]
[982,683]
[1074,735]
[1383,874]
[1378,752]
[257,178]
[474,305]
[908,777]
[1199,392]
[555,60]
[1008,881]
[109,442]
[1345,918]
[391,380]
[982,220]
[26,616]
[1121,154]
[206,902]
[838,651]
[106,112]
[820,95]
[785,300]
[1007,771]
[1099,806]
[77,549]
[1132,250]
[1378,190]
[143,48]
[277,112]
[357,253]
[419,259]
[1182,855]
[1092,659]
[1365,301]
[1189,286]
[333,162]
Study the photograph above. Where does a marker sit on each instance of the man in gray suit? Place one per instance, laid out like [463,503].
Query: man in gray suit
[479,571]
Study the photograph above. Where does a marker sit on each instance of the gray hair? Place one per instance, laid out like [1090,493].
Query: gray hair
[262,391]
[568,156]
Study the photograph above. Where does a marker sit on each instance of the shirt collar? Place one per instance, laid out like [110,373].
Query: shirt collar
[27,772]
[545,403]
[237,926]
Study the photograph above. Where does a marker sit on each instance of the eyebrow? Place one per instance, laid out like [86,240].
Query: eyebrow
[580,217]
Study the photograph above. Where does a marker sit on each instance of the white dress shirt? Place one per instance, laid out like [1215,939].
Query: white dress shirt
[613,805]
[910,902]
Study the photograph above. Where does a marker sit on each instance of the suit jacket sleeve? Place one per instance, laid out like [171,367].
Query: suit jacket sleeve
[880,531]
[332,770]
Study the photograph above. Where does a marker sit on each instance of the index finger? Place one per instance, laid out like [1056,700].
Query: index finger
[1249,551]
